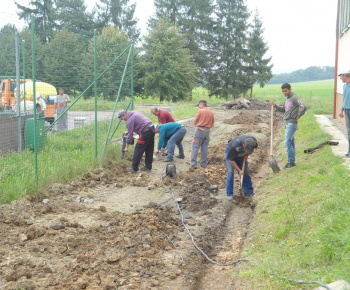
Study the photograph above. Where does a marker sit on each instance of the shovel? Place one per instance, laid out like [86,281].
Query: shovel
[123,145]
[273,163]
[241,181]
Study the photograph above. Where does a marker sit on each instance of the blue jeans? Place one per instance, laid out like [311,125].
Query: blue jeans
[247,186]
[176,139]
[347,120]
[289,141]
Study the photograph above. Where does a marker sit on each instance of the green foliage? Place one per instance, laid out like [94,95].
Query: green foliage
[302,222]
[7,52]
[259,70]
[72,15]
[119,14]
[312,73]
[169,72]
[43,11]
[110,44]
[228,52]
[57,63]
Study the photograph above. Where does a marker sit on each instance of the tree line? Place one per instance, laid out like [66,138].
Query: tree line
[214,44]
[312,73]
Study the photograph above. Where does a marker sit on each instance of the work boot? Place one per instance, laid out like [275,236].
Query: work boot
[131,169]
[168,160]
[146,169]
[230,197]
[289,165]
[181,157]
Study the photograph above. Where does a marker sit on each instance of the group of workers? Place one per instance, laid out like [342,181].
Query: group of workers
[237,150]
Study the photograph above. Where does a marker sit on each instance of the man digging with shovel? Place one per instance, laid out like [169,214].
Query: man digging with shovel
[236,155]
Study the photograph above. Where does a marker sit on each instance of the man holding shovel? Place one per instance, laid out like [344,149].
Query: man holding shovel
[293,109]
[236,155]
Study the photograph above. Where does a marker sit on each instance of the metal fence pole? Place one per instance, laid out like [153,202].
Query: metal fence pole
[24,73]
[34,101]
[19,131]
[95,89]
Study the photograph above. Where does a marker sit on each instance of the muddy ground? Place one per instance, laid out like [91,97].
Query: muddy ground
[117,230]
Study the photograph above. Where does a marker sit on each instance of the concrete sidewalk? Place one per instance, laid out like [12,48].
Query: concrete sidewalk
[337,135]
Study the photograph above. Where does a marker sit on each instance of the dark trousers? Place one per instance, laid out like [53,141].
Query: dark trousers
[145,144]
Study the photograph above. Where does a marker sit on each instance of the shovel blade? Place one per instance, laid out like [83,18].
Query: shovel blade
[274,166]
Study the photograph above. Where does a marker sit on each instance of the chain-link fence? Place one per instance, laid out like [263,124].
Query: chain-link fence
[59,107]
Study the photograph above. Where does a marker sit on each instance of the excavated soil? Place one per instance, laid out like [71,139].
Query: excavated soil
[117,230]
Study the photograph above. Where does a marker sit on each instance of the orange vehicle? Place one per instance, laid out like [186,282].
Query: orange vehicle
[8,96]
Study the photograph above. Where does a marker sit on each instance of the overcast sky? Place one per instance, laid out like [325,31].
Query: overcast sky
[299,33]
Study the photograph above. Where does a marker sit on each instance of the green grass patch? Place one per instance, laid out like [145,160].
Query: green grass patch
[302,225]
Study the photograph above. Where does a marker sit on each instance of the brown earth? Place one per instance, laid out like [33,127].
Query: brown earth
[116,230]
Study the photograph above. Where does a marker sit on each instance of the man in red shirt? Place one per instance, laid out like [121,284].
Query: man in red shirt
[203,121]
[163,115]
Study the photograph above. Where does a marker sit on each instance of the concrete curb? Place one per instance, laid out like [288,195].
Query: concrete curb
[337,135]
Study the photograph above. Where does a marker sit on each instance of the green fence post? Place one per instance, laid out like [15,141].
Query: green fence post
[24,73]
[95,89]
[34,101]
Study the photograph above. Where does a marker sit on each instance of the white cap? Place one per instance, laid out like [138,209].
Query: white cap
[344,72]
[37,95]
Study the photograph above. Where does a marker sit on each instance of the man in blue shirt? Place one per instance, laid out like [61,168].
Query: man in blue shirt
[174,134]
[345,108]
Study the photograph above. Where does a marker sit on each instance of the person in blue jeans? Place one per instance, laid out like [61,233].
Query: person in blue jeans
[345,108]
[237,151]
[293,109]
[172,133]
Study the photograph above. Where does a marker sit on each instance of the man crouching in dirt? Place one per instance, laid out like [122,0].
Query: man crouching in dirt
[140,124]
[237,151]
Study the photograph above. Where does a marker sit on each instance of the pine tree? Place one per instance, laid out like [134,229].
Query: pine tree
[195,23]
[259,70]
[73,16]
[119,13]
[228,50]
[43,11]
[169,72]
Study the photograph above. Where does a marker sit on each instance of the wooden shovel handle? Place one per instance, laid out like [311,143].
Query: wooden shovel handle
[271,140]
[244,161]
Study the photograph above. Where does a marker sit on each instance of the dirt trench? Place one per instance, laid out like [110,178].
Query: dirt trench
[116,230]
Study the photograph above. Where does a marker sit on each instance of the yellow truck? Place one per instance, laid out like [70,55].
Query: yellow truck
[8,96]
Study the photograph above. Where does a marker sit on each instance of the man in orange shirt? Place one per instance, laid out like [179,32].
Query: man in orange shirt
[203,121]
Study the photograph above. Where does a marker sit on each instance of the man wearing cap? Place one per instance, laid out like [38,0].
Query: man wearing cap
[140,124]
[203,121]
[345,108]
[293,109]
[237,151]
[163,115]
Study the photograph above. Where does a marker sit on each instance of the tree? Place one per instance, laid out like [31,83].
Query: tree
[7,51]
[228,51]
[72,15]
[259,70]
[111,42]
[193,18]
[63,59]
[168,10]
[119,13]
[44,17]
[167,65]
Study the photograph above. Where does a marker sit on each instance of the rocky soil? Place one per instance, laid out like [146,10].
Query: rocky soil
[116,230]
